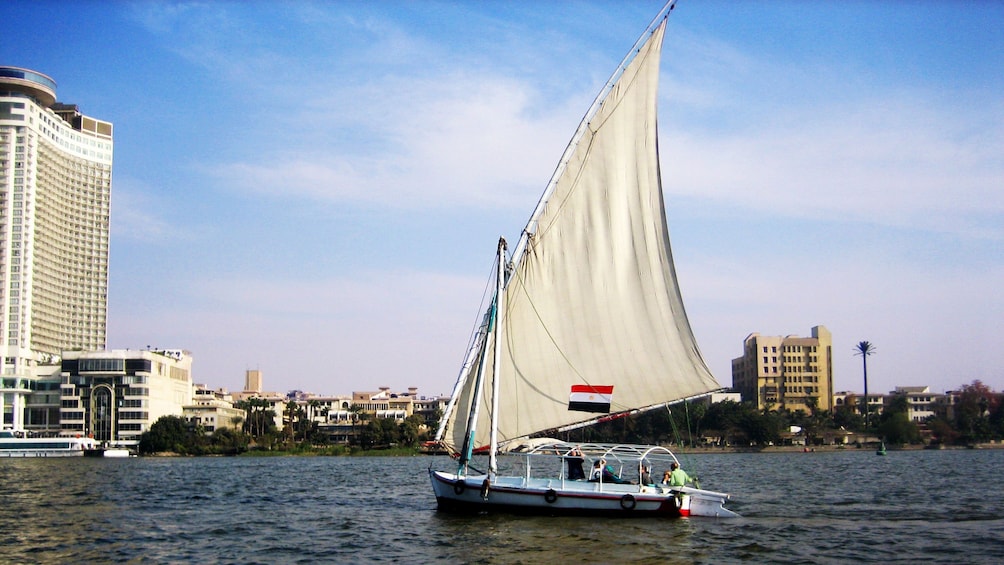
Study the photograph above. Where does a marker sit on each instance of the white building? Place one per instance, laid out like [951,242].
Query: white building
[55,194]
[117,395]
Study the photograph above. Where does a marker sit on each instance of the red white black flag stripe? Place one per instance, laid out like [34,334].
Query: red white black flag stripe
[590,398]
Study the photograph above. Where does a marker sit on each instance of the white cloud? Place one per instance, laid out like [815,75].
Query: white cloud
[905,166]
[454,141]
[330,336]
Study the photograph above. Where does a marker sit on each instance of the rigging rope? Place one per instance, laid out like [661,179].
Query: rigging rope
[679,440]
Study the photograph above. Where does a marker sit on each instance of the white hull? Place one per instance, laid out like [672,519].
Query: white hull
[40,453]
[558,496]
[45,447]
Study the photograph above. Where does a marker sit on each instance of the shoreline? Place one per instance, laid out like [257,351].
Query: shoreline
[827,448]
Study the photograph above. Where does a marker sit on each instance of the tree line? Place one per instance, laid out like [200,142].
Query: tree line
[300,433]
[977,417]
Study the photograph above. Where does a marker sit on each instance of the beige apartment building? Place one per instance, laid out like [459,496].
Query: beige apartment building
[212,409]
[791,373]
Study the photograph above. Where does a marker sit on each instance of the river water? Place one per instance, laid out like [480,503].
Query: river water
[826,507]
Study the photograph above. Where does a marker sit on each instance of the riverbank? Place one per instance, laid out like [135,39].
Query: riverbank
[828,448]
[411,452]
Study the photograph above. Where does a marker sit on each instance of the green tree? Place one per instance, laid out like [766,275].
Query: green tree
[815,423]
[358,415]
[942,431]
[259,418]
[846,415]
[227,441]
[411,430]
[379,433]
[972,412]
[168,433]
[894,422]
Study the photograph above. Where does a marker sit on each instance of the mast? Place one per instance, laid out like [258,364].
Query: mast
[492,329]
[531,225]
[500,283]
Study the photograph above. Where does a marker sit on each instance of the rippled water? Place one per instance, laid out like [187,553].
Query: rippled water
[935,506]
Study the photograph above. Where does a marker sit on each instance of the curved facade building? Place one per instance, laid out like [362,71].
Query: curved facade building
[55,199]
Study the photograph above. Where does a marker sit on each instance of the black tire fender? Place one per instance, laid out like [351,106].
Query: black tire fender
[550,496]
[628,502]
[458,487]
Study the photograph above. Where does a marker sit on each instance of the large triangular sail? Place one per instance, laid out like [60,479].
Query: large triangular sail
[592,317]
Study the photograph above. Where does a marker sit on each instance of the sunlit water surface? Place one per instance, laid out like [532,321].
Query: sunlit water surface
[834,507]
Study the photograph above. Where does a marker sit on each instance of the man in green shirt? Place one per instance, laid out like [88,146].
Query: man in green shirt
[677,476]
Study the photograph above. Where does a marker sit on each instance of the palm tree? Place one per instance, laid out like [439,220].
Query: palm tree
[864,349]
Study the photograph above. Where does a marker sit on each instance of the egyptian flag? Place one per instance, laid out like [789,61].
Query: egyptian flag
[590,398]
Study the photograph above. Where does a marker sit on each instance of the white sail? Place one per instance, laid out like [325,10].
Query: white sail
[592,312]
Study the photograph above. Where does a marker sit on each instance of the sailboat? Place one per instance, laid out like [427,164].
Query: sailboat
[586,324]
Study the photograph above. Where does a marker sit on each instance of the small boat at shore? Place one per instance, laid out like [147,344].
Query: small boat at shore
[586,325]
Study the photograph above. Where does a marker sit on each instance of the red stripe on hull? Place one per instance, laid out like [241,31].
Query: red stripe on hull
[614,502]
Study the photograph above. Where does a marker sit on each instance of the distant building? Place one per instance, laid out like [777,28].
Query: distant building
[55,198]
[386,404]
[212,409]
[921,402]
[252,380]
[117,395]
[792,373]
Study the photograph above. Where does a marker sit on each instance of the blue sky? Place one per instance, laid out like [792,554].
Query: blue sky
[315,189]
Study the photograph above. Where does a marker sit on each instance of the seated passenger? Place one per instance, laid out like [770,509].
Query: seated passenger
[597,471]
[601,469]
[609,476]
[646,475]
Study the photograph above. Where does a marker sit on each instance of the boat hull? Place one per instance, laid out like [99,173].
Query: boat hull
[19,453]
[46,447]
[561,497]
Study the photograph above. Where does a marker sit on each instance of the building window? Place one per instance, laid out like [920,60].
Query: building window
[117,365]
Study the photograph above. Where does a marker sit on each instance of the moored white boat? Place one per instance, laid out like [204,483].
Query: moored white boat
[586,324]
[116,452]
[20,444]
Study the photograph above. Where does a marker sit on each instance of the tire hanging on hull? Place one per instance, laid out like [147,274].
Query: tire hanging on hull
[628,502]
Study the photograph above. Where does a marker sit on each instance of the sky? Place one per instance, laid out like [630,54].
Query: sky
[315,189]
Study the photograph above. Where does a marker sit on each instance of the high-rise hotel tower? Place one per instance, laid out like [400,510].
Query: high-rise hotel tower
[55,192]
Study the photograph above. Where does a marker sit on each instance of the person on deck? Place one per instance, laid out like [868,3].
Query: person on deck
[574,461]
[597,471]
[646,475]
[676,477]
[601,469]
